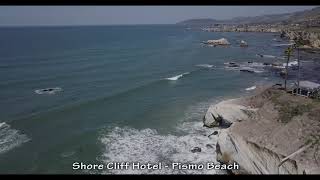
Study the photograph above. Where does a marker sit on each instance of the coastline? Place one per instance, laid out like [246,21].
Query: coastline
[258,142]
[309,38]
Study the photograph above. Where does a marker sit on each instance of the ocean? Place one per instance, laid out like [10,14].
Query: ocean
[118,94]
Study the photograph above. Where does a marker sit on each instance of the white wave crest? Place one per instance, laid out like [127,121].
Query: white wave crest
[148,146]
[285,44]
[293,63]
[10,138]
[205,65]
[48,90]
[266,56]
[174,78]
[251,88]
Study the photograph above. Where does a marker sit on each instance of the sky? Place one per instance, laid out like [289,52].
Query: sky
[115,15]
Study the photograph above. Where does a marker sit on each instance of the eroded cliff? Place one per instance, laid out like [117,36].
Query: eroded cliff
[281,135]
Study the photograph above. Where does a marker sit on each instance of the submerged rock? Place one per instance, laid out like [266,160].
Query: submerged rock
[243,43]
[209,146]
[214,133]
[196,149]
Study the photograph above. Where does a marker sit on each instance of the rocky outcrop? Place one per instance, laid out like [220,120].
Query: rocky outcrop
[252,158]
[309,39]
[226,112]
[273,139]
[243,43]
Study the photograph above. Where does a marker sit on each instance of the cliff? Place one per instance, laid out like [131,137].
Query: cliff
[279,135]
[310,38]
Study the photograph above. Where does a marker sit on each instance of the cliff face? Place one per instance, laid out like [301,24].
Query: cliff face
[281,136]
[252,157]
[308,38]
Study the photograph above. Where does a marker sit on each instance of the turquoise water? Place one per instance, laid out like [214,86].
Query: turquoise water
[116,102]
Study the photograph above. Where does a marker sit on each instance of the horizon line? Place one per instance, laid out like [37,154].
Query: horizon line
[77,25]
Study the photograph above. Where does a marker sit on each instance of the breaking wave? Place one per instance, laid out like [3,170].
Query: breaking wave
[174,78]
[10,138]
[205,65]
[147,145]
[285,44]
[251,88]
[48,90]
[126,144]
[266,56]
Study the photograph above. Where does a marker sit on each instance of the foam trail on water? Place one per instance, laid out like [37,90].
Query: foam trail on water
[251,88]
[288,44]
[174,78]
[48,90]
[10,138]
[205,65]
[266,56]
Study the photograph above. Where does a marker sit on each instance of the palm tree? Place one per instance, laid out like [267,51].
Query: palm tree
[288,53]
[298,44]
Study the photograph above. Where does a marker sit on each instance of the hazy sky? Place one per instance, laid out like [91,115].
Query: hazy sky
[89,15]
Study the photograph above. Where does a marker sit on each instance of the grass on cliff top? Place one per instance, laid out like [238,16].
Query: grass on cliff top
[313,29]
[289,106]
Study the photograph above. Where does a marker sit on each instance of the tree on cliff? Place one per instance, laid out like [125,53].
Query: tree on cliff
[288,53]
[297,45]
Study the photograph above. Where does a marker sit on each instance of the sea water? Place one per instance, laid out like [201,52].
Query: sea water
[126,94]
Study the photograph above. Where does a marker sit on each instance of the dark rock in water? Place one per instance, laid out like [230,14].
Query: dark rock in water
[247,70]
[283,73]
[233,65]
[225,124]
[209,146]
[295,67]
[214,133]
[196,149]
[266,64]
[260,55]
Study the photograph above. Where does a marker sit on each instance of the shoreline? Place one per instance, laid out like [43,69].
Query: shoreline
[308,37]
[257,141]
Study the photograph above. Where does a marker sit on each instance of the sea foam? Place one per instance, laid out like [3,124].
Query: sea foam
[126,144]
[147,145]
[48,90]
[266,56]
[205,65]
[285,44]
[251,88]
[174,78]
[10,138]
